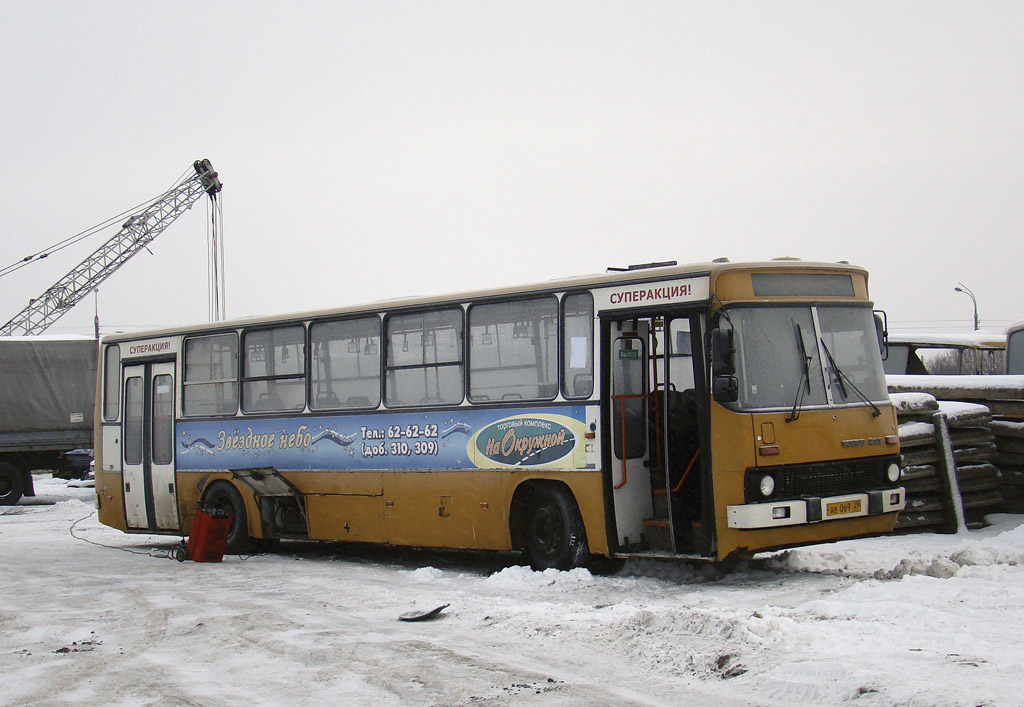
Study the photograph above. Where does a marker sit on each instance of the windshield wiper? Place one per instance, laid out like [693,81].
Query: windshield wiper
[805,377]
[834,370]
[841,377]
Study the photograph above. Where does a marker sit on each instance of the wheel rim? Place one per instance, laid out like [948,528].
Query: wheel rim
[222,501]
[546,531]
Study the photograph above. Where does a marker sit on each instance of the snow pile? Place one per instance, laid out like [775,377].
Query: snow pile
[913,620]
[426,575]
[520,578]
[1000,543]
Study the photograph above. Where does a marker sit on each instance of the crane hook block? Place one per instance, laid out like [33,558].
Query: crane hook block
[208,178]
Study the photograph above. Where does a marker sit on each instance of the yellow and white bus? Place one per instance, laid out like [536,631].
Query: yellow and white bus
[704,411]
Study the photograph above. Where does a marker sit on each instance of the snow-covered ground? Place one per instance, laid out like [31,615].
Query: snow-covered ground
[89,615]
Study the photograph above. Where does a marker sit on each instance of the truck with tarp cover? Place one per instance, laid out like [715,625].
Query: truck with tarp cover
[47,394]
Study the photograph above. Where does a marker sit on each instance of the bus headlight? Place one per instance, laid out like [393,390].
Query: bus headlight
[893,472]
[767,485]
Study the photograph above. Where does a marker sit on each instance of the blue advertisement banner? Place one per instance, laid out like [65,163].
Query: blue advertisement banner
[464,439]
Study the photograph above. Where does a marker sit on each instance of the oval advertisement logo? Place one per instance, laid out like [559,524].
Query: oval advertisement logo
[524,440]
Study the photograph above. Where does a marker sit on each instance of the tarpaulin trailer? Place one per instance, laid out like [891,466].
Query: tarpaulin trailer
[47,394]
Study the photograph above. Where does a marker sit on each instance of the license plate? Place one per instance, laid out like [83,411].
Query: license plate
[843,507]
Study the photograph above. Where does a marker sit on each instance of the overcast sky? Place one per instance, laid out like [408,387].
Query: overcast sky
[372,150]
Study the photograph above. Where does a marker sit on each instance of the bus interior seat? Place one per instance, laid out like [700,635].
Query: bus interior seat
[267,401]
[357,401]
[327,399]
[682,400]
[582,384]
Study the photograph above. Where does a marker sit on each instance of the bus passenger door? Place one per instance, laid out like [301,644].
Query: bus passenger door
[150,496]
[679,398]
[629,410]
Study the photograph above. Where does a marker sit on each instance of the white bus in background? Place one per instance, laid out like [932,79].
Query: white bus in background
[971,353]
[1015,349]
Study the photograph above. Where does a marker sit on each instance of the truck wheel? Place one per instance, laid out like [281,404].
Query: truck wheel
[555,536]
[226,497]
[11,484]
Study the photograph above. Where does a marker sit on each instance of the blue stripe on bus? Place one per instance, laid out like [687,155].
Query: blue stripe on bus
[452,439]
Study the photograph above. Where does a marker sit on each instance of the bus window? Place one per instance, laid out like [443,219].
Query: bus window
[848,336]
[1015,350]
[134,396]
[424,358]
[898,360]
[947,361]
[512,350]
[578,345]
[629,397]
[112,383]
[777,358]
[274,369]
[163,419]
[991,361]
[346,364]
[211,375]
[681,377]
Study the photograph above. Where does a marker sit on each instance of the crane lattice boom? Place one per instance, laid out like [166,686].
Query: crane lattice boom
[137,232]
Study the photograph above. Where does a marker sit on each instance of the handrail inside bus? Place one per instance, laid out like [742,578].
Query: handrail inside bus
[687,472]
[622,424]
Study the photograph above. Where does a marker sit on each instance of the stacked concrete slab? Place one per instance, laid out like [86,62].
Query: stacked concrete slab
[948,453]
[1004,397]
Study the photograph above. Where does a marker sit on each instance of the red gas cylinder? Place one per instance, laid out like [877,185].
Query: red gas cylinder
[209,534]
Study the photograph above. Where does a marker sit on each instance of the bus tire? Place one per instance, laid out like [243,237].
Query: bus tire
[11,485]
[555,536]
[223,495]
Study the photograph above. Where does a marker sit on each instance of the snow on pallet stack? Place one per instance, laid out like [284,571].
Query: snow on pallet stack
[1003,399]
[948,454]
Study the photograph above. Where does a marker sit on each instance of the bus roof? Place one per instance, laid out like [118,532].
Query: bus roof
[635,274]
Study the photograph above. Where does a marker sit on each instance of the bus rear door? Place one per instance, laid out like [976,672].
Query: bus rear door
[150,496]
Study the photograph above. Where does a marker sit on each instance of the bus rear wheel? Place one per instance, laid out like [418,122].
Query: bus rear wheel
[224,496]
[555,536]
[10,484]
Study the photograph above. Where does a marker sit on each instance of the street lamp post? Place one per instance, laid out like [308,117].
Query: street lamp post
[967,291]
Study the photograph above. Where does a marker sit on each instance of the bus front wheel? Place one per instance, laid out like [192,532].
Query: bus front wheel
[226,497]
[555,536]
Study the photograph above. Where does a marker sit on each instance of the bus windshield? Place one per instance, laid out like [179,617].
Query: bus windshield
[806,356]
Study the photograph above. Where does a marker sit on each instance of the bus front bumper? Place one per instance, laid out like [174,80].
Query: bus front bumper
[775,514]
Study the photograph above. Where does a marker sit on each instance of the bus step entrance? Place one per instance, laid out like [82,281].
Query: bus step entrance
[658,533]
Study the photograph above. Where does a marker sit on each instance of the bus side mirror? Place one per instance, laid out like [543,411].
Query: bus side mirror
[724,386]
[725,389]
[722,360]
[882,332]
